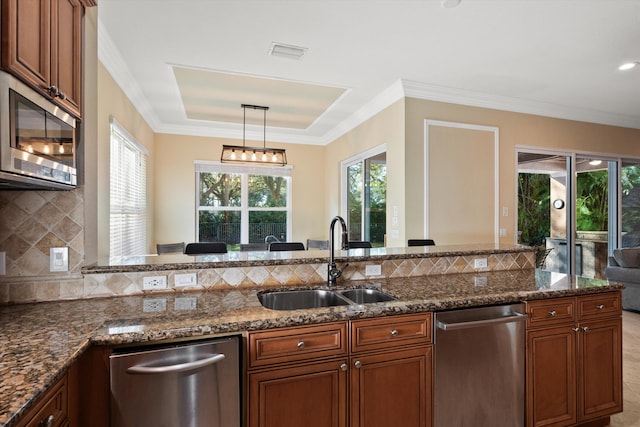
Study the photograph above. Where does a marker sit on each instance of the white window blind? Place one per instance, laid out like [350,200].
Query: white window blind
[128,194]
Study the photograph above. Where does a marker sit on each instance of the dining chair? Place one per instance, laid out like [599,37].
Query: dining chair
[167,248]
[247,247]
[286,246]
[359,244]
[206,248]
[420,242]
[317,244]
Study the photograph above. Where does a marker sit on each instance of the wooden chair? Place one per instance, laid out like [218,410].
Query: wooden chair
[206,248]
[317,244]
[286,246]
[420,242]
[167,248]
[359,244]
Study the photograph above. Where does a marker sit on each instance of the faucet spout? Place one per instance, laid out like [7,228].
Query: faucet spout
[333,272]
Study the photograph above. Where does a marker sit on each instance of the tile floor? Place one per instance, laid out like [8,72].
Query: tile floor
[630,372]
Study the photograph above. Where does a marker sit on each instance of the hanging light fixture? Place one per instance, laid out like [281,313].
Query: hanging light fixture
[252,155]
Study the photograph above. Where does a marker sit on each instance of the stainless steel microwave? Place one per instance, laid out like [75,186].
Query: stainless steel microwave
[37,140]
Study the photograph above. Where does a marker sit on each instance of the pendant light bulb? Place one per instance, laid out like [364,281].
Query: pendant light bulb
[253,156]
[61,148]
[244,156]
[30,148]
[264,157]
[233,154]
[46,149]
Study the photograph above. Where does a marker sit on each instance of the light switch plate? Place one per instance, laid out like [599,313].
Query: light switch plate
[59,259]
[373,270]
[3,263]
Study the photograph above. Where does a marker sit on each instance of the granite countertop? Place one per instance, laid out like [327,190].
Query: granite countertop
[39,341]
[154,262]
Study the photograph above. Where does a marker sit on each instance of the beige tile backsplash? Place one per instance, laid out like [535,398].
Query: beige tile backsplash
[31,222]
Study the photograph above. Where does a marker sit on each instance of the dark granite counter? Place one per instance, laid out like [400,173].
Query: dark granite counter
[39,341]
[264,258]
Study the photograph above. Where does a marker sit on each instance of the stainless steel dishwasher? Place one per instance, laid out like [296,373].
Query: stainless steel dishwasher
[479,367]
[193,385]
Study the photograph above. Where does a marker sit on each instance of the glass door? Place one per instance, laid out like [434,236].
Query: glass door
[630,206]
[543,211]
[366,197]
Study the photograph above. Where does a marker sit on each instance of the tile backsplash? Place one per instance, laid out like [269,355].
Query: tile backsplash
[32,222]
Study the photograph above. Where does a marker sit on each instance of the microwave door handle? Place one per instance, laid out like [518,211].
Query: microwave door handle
[179,367]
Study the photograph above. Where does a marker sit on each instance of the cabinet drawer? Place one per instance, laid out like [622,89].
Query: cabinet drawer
[294,344]
[390,332]
[551,312]
[601,305]
[53,404]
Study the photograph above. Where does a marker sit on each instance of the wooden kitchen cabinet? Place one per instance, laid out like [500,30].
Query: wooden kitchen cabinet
[51,410]
[42,45]
[574,360]
[378,372]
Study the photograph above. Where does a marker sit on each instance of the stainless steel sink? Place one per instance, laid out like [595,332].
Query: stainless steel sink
[296,300]
[365,296]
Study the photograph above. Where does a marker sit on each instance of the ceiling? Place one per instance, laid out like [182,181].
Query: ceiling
[188,65]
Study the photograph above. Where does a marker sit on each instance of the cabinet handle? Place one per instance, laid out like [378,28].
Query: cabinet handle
[600,307]
[394,332]
[300,345]
[585,329]
[343,367]
[357,364]
[47,422]
[553,313]
[575,329]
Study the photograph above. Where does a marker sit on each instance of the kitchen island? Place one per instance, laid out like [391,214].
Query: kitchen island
[40,341]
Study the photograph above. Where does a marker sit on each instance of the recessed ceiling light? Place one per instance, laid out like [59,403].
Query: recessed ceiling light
[628,65]
[287,50]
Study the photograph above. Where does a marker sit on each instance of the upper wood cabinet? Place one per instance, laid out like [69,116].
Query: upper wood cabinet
[42,45]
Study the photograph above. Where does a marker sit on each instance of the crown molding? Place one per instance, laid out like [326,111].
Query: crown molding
[451,95]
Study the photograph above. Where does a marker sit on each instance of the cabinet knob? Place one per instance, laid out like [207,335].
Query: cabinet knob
[62,95]
[343,367]
[575,329]
[394,332]
[300,344]
[357,364]
[600,307]
[47,422]
[53,90]
[553,313]
[585,329]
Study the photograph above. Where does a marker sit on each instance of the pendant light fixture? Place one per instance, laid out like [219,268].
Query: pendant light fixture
[253,155]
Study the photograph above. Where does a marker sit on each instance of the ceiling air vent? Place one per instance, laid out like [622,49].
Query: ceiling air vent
[287,50]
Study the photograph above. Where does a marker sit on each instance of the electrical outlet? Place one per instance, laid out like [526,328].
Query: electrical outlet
[153,283]
[480,263]
[59,259]
[503,232]
[150,305]
[186,303]
[186,279]
[373,270]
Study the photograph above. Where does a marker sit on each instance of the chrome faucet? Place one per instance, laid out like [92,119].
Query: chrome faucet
[333,272]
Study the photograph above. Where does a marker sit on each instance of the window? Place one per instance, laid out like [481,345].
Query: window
[128,194]
[242,204]
[365,195]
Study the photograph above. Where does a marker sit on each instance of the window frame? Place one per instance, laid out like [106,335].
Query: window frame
[137,206]
[206,166]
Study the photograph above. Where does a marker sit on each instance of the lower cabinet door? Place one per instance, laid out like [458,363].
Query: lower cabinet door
[551,377]
[600,375]
[392,389]
[312,395]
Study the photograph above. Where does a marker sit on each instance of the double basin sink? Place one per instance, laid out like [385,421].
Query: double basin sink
[315,298]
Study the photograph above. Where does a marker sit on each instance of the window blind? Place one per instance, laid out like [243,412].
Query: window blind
[128,195]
